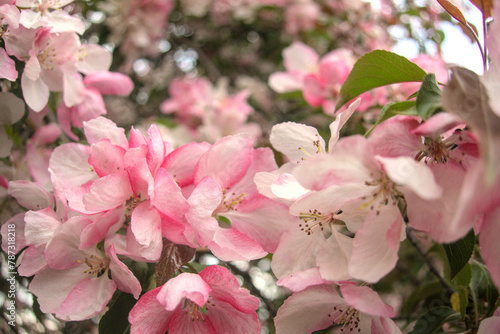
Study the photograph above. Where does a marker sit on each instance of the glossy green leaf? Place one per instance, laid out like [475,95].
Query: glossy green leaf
[483,286]
[115,320]
[376,69]
[429,97]
[393,109]
[459,253]
[434,319]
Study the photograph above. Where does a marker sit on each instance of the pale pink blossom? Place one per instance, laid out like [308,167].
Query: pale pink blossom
[208,302]
[359,310]
[75,285]
[96,84]
[47,13]
[301,16]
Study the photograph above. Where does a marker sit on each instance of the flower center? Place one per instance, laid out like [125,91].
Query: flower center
[230,201]
[196,312]
[315,144]
[96,264]
[348,318]
[314,219]
[385,192]
[436,151]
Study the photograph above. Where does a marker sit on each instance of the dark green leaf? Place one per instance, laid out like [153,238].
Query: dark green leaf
[463,277]
[224,222]
[420,293]
[376,69]
[429,97]
[459,253]
[172,257]
[432,321]
[393,109]
[482,284]
[115,320]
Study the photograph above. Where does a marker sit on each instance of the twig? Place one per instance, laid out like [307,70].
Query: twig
[415,243]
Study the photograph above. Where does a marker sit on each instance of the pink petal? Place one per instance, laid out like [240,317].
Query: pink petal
[32,262]
[226,288]
[300,280]
[121,275]
[184,323]
[97,59]
[261,219]
[156,149]
[40,226]
[7,66]
[296,252]
[107,224]
[296,141]
[413,175]
[282,82]
[109,83]
[300,57]
[30,195]
[490,247]
[106,158]
[146,226]
[287,187]
[227,161]
[232,245]
[69,163]
[181,162]
[87,299]
[339,122]
[438,124]
[226,319]
[314,90]
[148,315]
[185,285]
[64,119]
[62,251]
[366,300]
[52,286]
[14,225]
[204,199]
[101,128]
[394,137]
[307,311]
[333,257]
[168,198]
[375,246]
[35,92]
[108,192]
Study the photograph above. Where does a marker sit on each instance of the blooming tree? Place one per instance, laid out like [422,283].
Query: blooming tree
[241,167]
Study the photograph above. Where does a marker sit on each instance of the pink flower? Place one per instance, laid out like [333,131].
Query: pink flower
[211,302]
[96,84]
[300,60]
[360,310]
[47,13]
[76,286]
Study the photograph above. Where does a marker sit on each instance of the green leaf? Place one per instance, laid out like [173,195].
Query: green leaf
[172,257]
[429,97]
[463,278]
[432,321]
[224,222]
[459,253]
[115,320]
[420,293]
[393,109]
[376,69]
[484,287]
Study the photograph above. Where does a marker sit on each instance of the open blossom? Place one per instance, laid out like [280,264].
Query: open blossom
[359,310]
[208,302]
[210,112]
[75,284]
[96,84]
[226,212]
[49,13]
[55,61]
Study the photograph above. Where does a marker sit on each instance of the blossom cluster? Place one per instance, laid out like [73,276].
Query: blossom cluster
[412,157]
